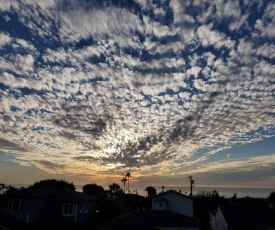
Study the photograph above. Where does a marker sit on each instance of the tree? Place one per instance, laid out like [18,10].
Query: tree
[94,189]
[53,183]
[271,198]
[5,189]
[123,180]
[234,197]
[215,194]
[2,187]
[115,189]
[151,191]
[203,193]
[128,175]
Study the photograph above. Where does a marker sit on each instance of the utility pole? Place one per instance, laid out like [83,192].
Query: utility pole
[192,182]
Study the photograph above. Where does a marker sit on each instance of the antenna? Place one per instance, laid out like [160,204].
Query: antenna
[192,182]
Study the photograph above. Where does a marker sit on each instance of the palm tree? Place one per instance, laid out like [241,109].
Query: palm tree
[128,175]
[123,180]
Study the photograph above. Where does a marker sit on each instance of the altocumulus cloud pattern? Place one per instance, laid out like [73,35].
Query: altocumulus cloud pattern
[97,86]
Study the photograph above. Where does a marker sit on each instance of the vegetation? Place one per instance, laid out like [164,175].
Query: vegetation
[6,189]
[115,190]
[123,180]
[95,190]
[271,198]
[151,191]
[50,183]
[127,176]
[113,202]
[204,202]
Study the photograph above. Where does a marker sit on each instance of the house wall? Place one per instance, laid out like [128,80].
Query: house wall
[79,216]
[176,203]
[39,206]
[161,205]
[85,215]
[32,209]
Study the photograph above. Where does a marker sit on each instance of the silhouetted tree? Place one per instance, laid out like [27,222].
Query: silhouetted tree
[211,199]
[128,175]
[5,189]
[215,194]
[203,193]
[151,191]
[114,189]
[53,183]
[234,197]
[271,198]
[94,189]
[2,187]
[123,180]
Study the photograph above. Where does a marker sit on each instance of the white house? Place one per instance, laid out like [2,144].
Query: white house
[217,220]
[173,201]
[170,211]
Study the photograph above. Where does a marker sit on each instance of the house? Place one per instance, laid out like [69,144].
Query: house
[217,220]
[173,201]
[170,211]
[38,206]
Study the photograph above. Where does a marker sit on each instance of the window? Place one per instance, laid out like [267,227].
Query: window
[160,205]
[68,209]
[16,206]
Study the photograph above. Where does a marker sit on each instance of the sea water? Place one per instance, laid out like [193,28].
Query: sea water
[223,191]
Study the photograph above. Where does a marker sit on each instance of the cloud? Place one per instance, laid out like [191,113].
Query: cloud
[48,166]
[102,86]
[266,25]
[210,37]
[4,39]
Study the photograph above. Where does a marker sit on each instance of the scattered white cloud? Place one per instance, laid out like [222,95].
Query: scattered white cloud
[4,39]
[152,87]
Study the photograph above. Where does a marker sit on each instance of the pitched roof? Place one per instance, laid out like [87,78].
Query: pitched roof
[164,218]
[60,194]
[172,191]
[126,221]
[149,219]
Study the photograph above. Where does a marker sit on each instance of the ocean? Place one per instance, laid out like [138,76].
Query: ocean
[223,191]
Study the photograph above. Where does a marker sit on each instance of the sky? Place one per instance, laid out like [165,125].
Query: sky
[90,90]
